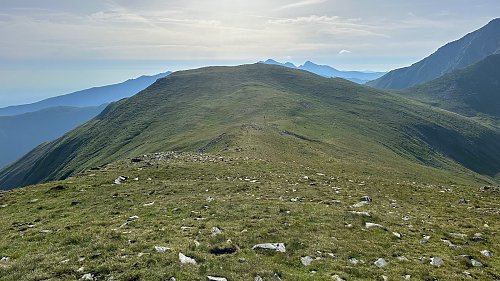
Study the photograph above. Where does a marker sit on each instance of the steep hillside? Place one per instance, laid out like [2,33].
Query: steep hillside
[466,51]
[273,113]
[20,134]
[472,91]
[359,77]
[89,97]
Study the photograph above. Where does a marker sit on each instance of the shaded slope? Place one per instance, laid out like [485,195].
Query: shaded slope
[458,54]
[472,91]
[269,112]
[21,133]
[89,97]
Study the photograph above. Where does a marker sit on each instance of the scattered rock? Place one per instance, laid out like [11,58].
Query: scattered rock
[366,199]
[380,263]
[223,250]
[120,179]
[172,279]
[185,259]
[373,225]
[450,244]
[132,218]
[337,278]
[478,237]
[360,204]
[458,235]
[4,259]
[467,274]
[213,278]
[407,277]
[353,261]
[437,261]
[149,204]
[425,239]
[402,258]
[476,263]
[75,202]
[210,199]
[258,278]
[88,276]
[490,188]
[462,201]
[398,235]
[306,261]
[472,261]
[161,249]
[486,253]
[363,214]
[279,247]
[216,231]
[45,231]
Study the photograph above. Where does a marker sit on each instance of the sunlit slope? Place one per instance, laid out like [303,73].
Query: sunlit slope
[271,112]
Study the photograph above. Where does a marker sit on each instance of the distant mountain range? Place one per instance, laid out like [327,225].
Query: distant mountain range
[21,133]
[268,112]
[466,51]
[359,77]
[471,91]
[89,97]
[23,127]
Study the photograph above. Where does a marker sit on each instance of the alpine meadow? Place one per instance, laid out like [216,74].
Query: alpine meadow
[228,167]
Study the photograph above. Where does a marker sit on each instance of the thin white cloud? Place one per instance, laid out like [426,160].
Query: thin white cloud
[302,4]
[344,52]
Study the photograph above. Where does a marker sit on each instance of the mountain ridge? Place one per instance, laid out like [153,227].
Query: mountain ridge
[266,111]
[21,133]
[457,54]
[327,71]
[94,96]
[472,91]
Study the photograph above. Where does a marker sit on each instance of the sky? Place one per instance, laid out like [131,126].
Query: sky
[53,47]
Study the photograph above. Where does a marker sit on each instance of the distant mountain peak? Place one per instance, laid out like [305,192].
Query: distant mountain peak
[359,77]
[273,62]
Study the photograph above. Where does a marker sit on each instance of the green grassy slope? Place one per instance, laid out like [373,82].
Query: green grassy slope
[86,226]
[473,91]
[295,116]
[210,109]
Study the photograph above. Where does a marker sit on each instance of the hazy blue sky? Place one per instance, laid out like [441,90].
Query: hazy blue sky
[52,47]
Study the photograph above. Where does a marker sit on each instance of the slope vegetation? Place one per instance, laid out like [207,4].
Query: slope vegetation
[273,113]
[473,91]
[466,51]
